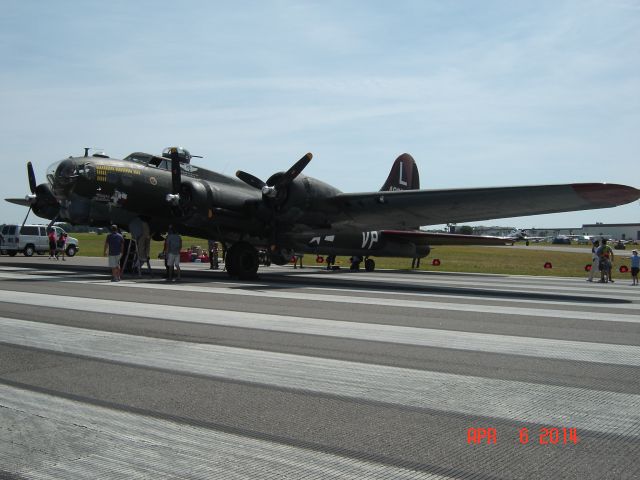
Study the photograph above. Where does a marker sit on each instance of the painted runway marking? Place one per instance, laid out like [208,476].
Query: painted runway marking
[602,411]
[428,337]
[98,442]
[390,302]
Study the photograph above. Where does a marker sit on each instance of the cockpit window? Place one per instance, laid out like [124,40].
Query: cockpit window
[139,157]
[51,172]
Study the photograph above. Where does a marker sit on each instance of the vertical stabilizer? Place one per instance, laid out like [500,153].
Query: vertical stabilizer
[403,176]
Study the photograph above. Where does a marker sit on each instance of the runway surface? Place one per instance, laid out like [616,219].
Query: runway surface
[309,374]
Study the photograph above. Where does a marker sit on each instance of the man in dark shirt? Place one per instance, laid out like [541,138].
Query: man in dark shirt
[113,245]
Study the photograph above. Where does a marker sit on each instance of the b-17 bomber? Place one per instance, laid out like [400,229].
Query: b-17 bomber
[289,212]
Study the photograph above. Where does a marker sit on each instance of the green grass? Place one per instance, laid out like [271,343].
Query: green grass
[92,245]
[498,260]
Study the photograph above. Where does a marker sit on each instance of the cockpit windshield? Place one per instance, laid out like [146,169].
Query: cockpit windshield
[51,172]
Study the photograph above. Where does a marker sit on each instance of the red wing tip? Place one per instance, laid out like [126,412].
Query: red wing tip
[606,193]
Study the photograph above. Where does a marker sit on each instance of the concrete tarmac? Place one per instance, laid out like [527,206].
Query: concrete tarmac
[313,374]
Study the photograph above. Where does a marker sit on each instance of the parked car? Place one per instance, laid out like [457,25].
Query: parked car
[30,239]
[561,240]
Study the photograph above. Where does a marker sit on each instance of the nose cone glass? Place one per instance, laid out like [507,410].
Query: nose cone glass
[62,176]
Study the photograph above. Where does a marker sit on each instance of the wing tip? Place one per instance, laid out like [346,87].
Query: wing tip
[606,194]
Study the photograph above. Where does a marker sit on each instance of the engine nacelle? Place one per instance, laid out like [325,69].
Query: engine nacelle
[195,196]
[46,205]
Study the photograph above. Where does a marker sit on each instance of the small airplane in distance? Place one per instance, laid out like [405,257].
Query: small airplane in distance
[287,213]
[521,235]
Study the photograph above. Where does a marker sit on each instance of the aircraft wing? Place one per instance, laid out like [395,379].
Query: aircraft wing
[419,237]
[409,208]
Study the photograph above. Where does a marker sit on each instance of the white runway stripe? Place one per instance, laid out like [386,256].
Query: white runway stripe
[98,442]
[558,406]
[527,285]
[540,311]
[304,293]
[491,343]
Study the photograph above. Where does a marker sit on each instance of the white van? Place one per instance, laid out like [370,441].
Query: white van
[30,239]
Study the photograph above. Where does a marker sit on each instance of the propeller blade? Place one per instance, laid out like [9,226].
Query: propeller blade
[26,216]
[32,177]
[23,202]
[293,172]
[250,180]
[53,220]
[176,173]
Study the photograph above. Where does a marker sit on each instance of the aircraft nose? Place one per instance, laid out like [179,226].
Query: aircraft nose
[63,177]
[66,173]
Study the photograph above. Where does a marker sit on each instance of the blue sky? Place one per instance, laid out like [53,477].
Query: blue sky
[480,93]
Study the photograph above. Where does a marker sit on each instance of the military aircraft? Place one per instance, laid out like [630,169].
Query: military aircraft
[289,212]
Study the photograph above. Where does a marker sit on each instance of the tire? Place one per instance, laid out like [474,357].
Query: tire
[71,250]
[29,250]
[242,261]
[369,265]
[12,253]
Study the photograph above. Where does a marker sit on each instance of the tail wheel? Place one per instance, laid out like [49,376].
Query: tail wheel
[242,261]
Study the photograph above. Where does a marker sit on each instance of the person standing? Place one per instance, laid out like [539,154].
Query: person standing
[635,266]
[595,261]
[114,247]
[172,246]
[52,242]
[213,255]
[605,256]
[61,243]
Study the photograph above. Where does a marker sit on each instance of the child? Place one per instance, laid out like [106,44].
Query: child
[635,266]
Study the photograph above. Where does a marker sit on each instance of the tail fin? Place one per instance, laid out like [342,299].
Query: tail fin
[403,175]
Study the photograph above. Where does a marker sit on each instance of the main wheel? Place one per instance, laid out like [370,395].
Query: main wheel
[242,261]
[369,265]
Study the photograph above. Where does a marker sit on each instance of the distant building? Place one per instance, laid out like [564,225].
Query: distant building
[619,231]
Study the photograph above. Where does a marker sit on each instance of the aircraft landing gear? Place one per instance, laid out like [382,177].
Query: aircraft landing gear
[242,261]
[369,265]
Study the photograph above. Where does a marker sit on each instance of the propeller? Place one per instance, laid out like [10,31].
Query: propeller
[278,182]
[32,178]
[176,178]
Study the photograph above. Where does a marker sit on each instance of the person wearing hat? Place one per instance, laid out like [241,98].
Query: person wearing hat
[635,266]
[114,246]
